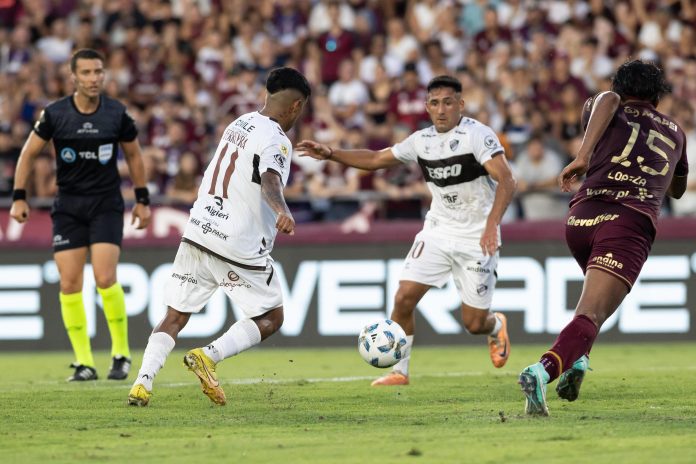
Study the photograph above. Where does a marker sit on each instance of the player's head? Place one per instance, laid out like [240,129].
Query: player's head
[87,67]
[642,80]
[287,90]
[444,102]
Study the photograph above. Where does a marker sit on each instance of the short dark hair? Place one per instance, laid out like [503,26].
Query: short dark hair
[287,78]
[85,54]
[445,81]
[644,80]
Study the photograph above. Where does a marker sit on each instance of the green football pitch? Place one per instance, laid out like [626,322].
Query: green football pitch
[638,405]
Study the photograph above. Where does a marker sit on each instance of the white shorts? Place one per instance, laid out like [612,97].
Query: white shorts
[432,259]
[196,275]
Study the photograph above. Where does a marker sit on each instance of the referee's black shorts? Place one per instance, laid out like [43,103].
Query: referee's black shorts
[79,220]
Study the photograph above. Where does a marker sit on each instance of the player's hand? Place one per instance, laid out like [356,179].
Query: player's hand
[489,240]
[574,170]
[313,149]
[285,223]
[142,212]
[20,211]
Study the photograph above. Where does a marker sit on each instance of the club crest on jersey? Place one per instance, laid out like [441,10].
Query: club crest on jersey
[279,160]
[490,141]
[454,144]
[105,153]
[68,155]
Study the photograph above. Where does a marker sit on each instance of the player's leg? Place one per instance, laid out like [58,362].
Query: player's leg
[426,265]
[259,296]
[105,236]
[104,257]
[601,295]
[71,263]
[475,277]
[407,297]
[187,290]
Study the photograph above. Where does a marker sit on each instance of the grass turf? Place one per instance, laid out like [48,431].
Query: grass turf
[313,406]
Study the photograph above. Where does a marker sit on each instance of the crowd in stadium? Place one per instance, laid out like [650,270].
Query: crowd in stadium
[187,68]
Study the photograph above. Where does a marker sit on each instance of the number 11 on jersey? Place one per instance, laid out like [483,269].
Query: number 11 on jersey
[228,171]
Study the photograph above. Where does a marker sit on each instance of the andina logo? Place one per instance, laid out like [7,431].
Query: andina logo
[183,278]
[607,261]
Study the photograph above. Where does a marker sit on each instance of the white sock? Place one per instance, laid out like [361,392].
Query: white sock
[402,366]
[497,327]
[240,337]
[159,345]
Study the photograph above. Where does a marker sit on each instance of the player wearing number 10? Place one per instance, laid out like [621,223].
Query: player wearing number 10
[229,237]
[633,156]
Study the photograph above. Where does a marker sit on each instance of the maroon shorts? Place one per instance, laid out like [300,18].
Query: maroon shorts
[610,237]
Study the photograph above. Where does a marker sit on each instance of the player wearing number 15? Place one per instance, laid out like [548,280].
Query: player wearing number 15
[229,237]
[633,156]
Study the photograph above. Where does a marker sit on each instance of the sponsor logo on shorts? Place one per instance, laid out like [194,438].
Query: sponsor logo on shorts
[478,268]
[573,221]
[607,261]
[236,282]
[58,240]
[216,213]
[482,289]
[184,278]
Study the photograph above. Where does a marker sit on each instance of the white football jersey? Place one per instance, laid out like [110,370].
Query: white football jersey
[452,164]
[230,216]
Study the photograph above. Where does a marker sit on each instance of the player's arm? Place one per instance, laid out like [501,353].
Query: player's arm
[499,169]
[136,168]
[603,108]
[369,160]
[272,191]
[31,149]
[677,187]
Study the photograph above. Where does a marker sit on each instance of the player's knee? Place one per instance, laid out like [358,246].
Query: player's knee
[404,303]
[105,280]
[68,286]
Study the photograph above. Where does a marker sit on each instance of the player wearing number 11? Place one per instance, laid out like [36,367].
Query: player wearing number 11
[229,237]
[633,156]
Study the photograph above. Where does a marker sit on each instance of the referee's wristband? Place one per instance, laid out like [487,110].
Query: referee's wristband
[142,196]
[19,194]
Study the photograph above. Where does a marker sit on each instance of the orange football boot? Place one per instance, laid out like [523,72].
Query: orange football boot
[499,346]
[392,378]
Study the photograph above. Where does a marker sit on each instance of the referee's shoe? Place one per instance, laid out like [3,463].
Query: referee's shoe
[120,367]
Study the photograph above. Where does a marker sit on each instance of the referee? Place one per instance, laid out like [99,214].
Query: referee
[87,213]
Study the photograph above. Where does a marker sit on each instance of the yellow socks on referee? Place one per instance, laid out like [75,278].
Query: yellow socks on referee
[114,302]
[75,321]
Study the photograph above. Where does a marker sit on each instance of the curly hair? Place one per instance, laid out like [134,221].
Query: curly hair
[640,79]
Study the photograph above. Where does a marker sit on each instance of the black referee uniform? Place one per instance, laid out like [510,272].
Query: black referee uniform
[89,207]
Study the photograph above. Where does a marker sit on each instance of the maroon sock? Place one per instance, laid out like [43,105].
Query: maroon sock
[574,340]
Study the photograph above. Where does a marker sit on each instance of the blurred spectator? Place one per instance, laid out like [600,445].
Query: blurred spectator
[379,57]
[336,45]
[407,104]
[183,187]
[686,118]
[348,96]
[536,170]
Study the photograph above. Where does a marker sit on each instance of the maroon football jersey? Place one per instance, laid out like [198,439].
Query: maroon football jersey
[635,159]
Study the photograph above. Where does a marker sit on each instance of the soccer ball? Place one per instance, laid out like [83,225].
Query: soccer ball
[382,344]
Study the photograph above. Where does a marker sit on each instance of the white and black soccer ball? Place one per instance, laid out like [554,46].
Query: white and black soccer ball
[382,343]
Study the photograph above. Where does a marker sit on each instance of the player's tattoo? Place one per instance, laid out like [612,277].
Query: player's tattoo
[272,191]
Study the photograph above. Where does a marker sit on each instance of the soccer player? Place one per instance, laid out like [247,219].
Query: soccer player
[633,156]
[229,237]
[464,166]
[87,128]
